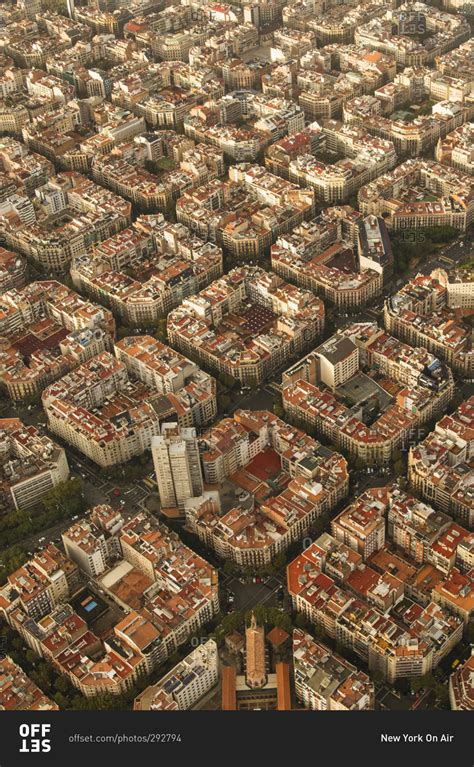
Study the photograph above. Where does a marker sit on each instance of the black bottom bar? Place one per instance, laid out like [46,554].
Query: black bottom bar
[317,738]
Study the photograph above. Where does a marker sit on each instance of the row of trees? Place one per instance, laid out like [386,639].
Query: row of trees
[10,560]
[156,329]
[265,616]
[135,469]
[61,502]
[416,244]
[430,682]
[56,686]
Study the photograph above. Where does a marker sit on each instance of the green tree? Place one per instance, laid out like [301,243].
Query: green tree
[228,381]
[10,560]
[377,676]
[470,632]
[66,498]
[31,657]
[224,402]
[442,693]
[416,684]
[278,409]
[231,622]
[301,622]
[161,333]
[402,685]
[61,700]
[283,621]
[279,560]
[61,684]
[426,682]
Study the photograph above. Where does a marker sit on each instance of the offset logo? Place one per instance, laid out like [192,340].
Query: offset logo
[35,738]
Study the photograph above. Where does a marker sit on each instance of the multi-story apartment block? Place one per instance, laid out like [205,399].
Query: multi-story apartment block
[93,543]
[18,692]
[164,590]
[420,313]
[327,682]
[405,640]
[461,691]
[373,423]
[336,183]
[247,213]
[460,288]
[187,682]
[147,269]
[440,466]
[456,62]
[181,591]
[101,412]
[47,330]
[184,391]
[361,525]
[27,169]
[38,586]
[382,33]
[456,592]
[415,527]
[274,319]
[340,256]
[123,171]
[400,196]
[70,214]
[13,270]
[32,465]
[177,464]
[245,449]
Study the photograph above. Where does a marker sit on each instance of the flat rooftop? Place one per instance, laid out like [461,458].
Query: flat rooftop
[360,389]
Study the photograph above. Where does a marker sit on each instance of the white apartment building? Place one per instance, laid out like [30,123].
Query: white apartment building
[177,465]
[186,683]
